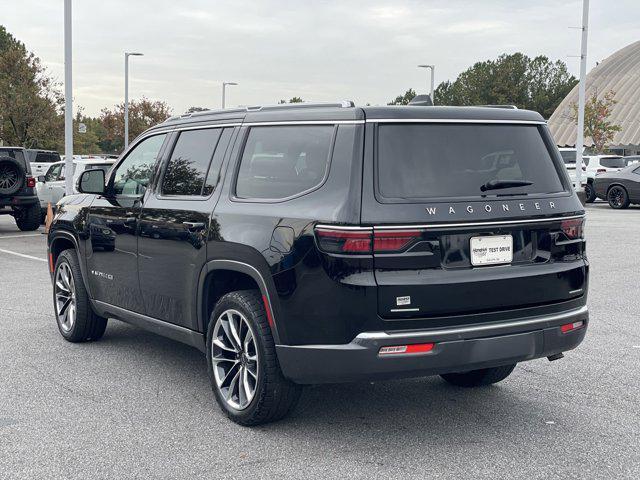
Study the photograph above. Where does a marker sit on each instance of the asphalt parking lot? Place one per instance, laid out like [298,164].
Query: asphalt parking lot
[136,405]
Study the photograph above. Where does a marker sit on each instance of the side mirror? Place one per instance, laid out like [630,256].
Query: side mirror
[41,178]
[91,181]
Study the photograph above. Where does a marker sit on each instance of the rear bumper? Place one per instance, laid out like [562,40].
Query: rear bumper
[19,201]
[456,350]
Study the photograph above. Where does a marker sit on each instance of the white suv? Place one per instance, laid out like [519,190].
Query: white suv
[50,186]
[596,164]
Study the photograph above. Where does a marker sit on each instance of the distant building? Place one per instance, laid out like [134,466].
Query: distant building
[619,72]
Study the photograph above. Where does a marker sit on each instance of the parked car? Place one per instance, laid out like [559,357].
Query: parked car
[631,159]
[303,244]
[620,188]
[51,186]
[17,189]
[41,160]
[597,164]
[569,158]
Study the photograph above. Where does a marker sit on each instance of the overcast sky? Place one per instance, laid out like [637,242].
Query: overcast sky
[366,51]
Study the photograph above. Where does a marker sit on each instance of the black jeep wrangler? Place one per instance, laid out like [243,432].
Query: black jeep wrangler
[17,189]
[328,243]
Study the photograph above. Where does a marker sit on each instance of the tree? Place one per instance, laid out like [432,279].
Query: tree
[30,102]
[404,99]
[535,84]
[89,142]
[596,120]
[196,109]
[142,115]
[292,100]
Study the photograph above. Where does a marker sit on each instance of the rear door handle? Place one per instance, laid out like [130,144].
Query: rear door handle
[193,226]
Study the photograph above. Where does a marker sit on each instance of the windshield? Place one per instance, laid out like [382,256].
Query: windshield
[417,161]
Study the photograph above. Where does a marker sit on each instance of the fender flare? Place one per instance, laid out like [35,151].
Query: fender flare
[241,267]
[58,234]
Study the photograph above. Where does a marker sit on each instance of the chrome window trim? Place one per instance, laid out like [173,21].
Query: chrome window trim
[452,120]
[304,122]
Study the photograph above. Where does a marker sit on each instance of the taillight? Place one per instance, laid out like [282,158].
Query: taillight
[394,241]
[573,228]
[570,327]
[364,240]
[31,182]
[344,241]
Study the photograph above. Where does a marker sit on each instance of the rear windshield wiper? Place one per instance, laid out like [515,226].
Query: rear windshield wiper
[498,184]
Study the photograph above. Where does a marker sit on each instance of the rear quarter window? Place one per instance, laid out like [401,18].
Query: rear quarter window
[280,162]
[431,160]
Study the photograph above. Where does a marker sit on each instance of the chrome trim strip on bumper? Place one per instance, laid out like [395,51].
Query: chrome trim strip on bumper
[531,322]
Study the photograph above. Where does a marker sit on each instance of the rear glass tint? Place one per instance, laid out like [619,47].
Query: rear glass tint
[569,156]
[419,161]
[614,162]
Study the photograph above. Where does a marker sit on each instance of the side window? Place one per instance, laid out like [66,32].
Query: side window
[283,161]
[134,173]
[213,176]
[53,173]
[187,168]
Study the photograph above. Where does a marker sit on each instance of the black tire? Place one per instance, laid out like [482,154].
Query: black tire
[589,193]
[274,396]
[618,197]
[86,325]
[28,219]
[12,176]
[479,378]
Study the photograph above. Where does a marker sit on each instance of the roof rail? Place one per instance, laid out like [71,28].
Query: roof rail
[509,107]
[257,108]
[343,104]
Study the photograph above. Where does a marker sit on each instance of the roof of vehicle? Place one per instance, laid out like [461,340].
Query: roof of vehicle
[89,161]
[346,111]
[11,148]
[40,150]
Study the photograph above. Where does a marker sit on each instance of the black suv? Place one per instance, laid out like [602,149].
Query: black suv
[17,189]
[328,243]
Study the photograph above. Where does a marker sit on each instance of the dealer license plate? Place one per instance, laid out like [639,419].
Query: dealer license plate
[493,250]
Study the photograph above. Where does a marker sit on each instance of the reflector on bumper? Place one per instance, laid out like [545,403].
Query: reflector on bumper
[406,349]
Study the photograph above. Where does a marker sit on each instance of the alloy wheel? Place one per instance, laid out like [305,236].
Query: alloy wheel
[65,297]
[616,197]
[8,177]
[235,359]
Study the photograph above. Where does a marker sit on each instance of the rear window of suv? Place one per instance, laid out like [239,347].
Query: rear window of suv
[434,160]
[613,162]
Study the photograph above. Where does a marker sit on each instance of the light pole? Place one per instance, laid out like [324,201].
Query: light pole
[581,93]
[433,72]
[126,94]
[224,87]
[68,100]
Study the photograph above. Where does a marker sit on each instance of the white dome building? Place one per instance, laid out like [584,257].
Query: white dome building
[620,73]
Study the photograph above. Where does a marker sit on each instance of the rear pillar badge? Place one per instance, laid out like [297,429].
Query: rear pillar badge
[403,301]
